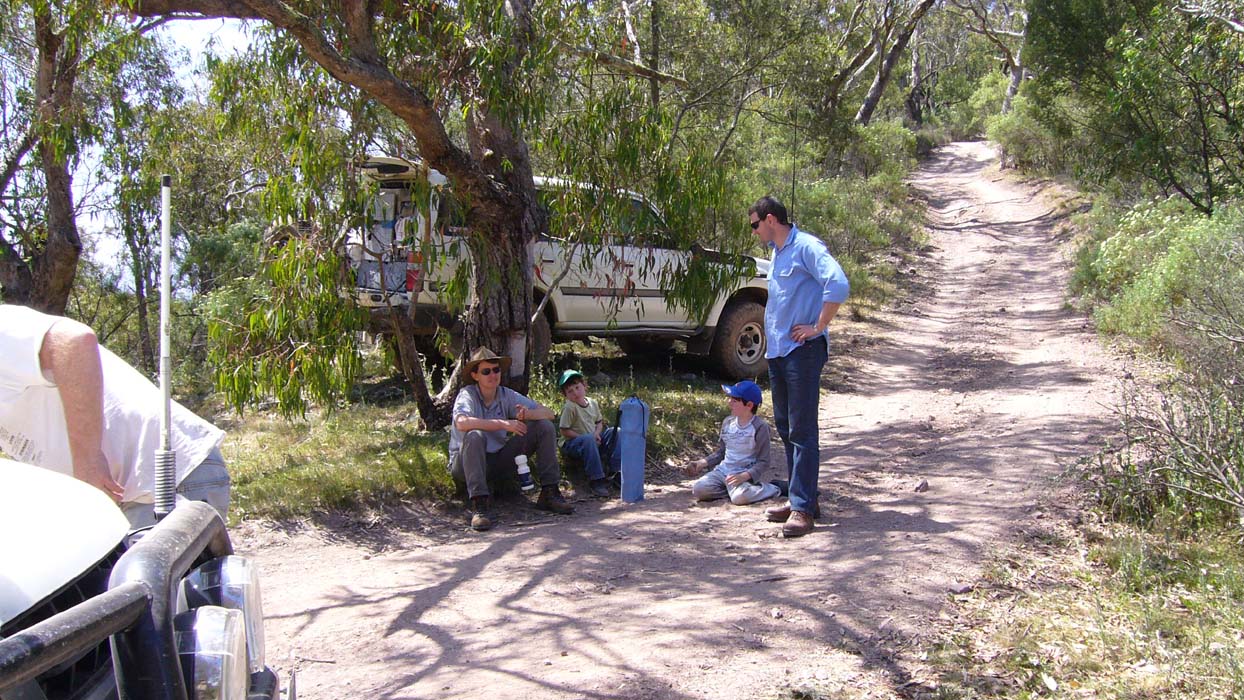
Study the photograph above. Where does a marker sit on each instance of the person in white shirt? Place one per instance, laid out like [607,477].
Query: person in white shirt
[69,405]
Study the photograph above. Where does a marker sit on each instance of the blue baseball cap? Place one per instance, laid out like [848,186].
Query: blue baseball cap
[746,390]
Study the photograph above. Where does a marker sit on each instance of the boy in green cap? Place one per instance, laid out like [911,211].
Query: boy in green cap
[584,435]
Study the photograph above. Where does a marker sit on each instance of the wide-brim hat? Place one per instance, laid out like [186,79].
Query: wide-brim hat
[483,354]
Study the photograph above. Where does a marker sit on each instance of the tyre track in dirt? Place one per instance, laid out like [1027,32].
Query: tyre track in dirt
[982,384]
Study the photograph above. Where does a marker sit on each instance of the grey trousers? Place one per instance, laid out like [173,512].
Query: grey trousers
[713,485]
[473,464]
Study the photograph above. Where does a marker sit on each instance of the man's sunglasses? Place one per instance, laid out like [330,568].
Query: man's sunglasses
[485,371]
[756,224]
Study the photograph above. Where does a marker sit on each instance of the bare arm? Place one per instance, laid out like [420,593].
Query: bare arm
[517,425]
[537,413]
[70,355]
[828,310]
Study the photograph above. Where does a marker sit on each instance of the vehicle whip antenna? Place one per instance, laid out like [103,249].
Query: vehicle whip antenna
[165,458]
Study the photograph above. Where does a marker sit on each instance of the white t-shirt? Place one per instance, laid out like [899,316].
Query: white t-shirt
[740,442]
[32,418]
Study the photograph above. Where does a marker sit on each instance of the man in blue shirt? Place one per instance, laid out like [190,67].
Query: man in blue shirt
[806,287]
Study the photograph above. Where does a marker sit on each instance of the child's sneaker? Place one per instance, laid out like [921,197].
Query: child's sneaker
[599,488]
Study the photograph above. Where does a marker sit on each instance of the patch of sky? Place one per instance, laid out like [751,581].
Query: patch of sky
[191,42]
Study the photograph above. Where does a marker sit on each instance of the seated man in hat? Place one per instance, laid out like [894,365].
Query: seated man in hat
[492,425]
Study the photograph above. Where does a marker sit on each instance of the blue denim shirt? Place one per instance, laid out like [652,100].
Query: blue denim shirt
[802,277]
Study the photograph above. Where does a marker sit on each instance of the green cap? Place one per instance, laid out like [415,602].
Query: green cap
[567,376]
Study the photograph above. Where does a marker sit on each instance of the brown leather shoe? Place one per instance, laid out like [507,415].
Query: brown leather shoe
[798,525]
[479,508]
[780,514]
[551,500]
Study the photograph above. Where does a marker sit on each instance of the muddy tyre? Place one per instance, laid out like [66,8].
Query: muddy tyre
[739,345]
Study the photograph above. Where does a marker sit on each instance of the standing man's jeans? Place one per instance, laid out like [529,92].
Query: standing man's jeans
[473,465]
[795,381]
[593,456]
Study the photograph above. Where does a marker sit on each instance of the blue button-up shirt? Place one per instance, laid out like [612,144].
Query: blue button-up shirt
[802,277]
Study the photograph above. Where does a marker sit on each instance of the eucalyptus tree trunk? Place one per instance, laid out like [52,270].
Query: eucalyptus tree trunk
[53,269]
[915,96]
[434,412]
[1012,88]
[42,274]
[138,271]
[494,173]
[886,69]
[654,54]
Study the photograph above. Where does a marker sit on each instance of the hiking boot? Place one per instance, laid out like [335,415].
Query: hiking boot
[551,500]
[780,514]
[599,488]
[798,525]
[479,508]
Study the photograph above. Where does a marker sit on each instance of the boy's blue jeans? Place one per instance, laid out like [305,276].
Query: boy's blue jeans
[593,456]
[795,382]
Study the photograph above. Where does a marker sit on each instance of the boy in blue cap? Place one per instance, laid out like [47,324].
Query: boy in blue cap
[742,454]
[583,434]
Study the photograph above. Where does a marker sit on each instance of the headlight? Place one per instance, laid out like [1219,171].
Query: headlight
[230,582]
[211,645]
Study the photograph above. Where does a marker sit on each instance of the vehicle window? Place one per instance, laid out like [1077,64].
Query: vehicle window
[633,221]
[644,227]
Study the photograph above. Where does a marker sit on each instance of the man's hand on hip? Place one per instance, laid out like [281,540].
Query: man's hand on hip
[803,332]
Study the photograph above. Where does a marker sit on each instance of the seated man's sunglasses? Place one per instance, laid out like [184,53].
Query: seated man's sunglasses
[485,371]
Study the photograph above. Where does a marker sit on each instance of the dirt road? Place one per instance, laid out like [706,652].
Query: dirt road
[983,384]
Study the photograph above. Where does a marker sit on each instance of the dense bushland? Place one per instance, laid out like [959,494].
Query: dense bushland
[1170,278]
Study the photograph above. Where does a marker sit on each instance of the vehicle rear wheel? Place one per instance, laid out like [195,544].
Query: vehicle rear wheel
[739,344]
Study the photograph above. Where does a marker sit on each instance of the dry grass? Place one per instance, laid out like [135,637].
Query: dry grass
[1103,611]
[367,454]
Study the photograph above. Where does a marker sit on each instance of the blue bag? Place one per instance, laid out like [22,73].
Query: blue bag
[633,415]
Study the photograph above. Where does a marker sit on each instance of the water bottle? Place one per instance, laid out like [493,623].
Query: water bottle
[524,473]
[633,436]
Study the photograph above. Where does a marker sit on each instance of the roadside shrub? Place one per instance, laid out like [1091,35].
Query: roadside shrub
[863,222]
[1093,227]
[930,137]
[1025,141]
[881,147]
[1183,464]
[1162,263]
[1178,277]
[985,102]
